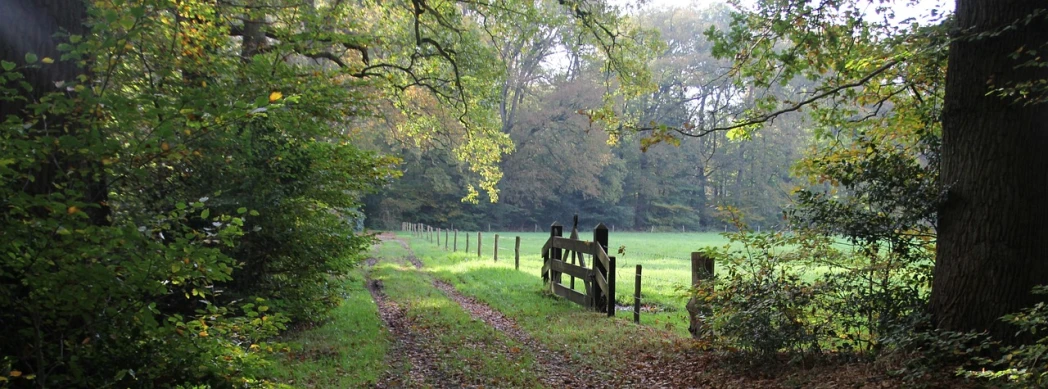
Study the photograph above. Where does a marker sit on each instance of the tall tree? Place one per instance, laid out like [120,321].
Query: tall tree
[993,235]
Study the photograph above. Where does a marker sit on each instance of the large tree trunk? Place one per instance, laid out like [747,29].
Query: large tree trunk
[993,226]
[30,26]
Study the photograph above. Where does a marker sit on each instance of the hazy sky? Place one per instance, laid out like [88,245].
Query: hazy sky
[919,9]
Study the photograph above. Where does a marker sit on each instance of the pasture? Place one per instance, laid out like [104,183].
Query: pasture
[665,258]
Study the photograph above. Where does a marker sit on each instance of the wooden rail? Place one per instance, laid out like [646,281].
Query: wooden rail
[598,281]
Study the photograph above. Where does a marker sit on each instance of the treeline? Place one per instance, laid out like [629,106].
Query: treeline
[635,176]
[179,181]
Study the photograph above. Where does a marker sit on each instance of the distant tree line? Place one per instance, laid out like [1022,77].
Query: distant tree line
[567,162]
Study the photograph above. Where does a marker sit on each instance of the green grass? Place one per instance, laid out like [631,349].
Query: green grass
[351,348]
[665,257]
[465,345]
[346,351]
[589,337]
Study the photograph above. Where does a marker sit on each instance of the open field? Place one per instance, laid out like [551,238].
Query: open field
[665,258]
[416,315]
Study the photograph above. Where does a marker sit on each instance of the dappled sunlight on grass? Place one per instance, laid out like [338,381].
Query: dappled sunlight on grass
[347,350]
[587,336]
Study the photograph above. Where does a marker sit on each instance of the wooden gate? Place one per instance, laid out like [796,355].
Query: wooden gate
[568,256]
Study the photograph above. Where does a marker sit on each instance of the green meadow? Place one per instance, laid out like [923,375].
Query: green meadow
[665,258]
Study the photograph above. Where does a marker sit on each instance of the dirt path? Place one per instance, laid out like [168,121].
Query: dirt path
[411,364]
[556,371]
[407,353]
[553,369]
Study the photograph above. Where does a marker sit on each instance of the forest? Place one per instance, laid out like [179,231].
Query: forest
[216,193]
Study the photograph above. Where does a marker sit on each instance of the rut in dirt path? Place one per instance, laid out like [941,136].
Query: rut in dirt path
[554,369]
[410,365]
[406,352]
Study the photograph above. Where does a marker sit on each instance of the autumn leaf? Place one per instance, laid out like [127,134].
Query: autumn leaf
[15,373]
[273,97]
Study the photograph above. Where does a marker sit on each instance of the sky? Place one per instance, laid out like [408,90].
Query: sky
[920,10]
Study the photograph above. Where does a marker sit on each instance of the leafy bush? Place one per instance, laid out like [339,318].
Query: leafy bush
[1024,365]
[801,293]
[758,303]
[150,203]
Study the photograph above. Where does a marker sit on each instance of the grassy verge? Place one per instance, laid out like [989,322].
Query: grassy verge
[346,351]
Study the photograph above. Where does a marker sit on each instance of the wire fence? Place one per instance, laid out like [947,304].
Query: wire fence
[506,248]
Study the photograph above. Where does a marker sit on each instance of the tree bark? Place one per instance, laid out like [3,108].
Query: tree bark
[993,225]
[28,26]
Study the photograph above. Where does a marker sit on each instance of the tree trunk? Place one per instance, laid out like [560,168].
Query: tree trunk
[28,26]
[993,225]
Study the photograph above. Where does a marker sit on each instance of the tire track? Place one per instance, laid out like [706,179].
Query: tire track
[410,364]
[554,370]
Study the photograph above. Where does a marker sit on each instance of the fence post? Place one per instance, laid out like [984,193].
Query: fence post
[516,254]
[600,237]
[438,237]
[445,240]
[701,269]
[455,243]
[555,230]
[467,242]
[478,244]
[611,287]
[496,250]
[636,298]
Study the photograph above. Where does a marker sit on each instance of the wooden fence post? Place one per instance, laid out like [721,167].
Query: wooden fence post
[445,240]
[600,237]
[467,242]
[496,250]
[701,269]
[516,254]
[455,243]
[636,297]
[438,237]
[611,287]
[478,244]
[555,230]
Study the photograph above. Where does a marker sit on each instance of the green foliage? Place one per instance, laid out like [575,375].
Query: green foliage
[1022,365]
[801,293]
[562,164]
[174,207]
[758,304]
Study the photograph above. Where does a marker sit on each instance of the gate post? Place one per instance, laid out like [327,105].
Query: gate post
[600,237]
[555,230]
